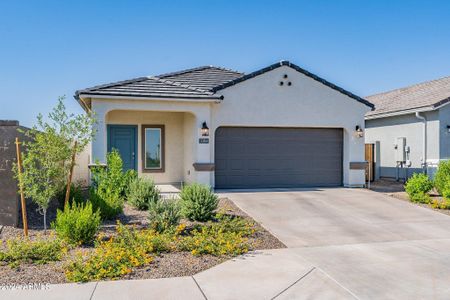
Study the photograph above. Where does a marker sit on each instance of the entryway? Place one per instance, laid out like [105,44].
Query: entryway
[124,139]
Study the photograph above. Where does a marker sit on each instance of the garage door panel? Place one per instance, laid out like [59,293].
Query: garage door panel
[278,157]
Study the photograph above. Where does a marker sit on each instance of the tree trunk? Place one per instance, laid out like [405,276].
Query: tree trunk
[45,220]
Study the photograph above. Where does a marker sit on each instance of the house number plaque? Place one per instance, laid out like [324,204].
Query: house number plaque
[203,140]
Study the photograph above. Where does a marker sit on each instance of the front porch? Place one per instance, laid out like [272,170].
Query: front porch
[159,141]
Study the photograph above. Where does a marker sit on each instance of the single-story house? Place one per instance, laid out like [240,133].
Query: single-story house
[280,126]
[410,128]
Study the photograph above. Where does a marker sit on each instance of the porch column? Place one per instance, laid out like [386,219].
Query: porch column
[203,148]
[99,144]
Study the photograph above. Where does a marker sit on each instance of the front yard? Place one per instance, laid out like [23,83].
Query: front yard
[396,189]
[170,262]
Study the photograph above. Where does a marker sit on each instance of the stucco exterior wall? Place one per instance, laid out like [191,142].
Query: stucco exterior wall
[261,101]
[189,127]
[174,140]
[387,130]
[182,133]
[81,169]
[444,135]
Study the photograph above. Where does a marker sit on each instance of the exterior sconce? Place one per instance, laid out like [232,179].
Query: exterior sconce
[205,129]
[448,128]
[359,133]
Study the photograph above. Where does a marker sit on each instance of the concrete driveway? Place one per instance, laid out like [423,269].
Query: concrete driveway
[353,243]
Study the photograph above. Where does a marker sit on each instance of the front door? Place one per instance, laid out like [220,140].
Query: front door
[124,139]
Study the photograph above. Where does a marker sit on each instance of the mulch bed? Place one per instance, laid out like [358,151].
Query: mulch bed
[171,264]
[396,190]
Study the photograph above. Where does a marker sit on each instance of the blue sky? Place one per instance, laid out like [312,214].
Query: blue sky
[52,48]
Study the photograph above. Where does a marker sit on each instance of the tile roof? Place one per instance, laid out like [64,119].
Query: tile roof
[430,94]
[206,78]
[148,87]
[197,83]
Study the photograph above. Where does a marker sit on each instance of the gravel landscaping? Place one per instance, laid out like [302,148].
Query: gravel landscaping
[171,264]
[396,190]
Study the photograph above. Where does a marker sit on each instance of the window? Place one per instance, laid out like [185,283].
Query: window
[153,148]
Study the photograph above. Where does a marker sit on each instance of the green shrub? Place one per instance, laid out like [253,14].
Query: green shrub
[108,189]
[141,193]
[442,177]
[128,177]
[417,188]
[109,204]
[198,202]
[164,214]
[420,198]
[24,250]
[76,195]
[77,224]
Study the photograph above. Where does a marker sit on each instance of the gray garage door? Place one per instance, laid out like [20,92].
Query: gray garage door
[247,157]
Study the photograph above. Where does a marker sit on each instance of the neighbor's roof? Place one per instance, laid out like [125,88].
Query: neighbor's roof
[193,84]
[426,96]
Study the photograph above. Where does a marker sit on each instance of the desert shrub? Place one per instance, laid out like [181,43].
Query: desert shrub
[127,178]
[108,188]
[76,195]
[228,235]
[198,202]
[39,251]
[212,240]
[109,204]
[235,224]
[164,214]
[442,177]
[77,224]
[440,203]
[417,188]
[117,256]
[420,198]
[142,193]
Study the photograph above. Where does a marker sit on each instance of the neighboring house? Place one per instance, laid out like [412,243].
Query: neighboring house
[410,128]
[280,126]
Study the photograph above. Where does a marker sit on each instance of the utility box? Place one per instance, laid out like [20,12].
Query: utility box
[400,150]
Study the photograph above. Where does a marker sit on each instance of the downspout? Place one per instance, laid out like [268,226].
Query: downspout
[424,137]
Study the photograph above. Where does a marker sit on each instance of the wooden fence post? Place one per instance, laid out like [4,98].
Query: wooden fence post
[69,179]
[22,198]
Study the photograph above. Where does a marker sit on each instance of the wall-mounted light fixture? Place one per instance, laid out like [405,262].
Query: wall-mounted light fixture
[205,129]
[359,133]
[448,128]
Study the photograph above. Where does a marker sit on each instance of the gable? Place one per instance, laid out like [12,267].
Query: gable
[262,100]
[297,69]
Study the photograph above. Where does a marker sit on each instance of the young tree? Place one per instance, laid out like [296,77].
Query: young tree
[47,158]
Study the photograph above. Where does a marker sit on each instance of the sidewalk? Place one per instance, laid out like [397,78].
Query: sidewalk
[268,274]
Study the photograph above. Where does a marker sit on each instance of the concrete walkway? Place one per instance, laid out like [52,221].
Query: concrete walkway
[343,244]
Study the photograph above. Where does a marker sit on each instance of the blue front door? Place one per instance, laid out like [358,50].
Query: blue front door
[124,139]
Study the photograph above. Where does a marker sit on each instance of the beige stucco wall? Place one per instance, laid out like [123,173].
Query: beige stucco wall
[81,169]
[174,140]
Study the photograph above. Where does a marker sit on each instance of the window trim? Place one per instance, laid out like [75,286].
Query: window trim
[163,154]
